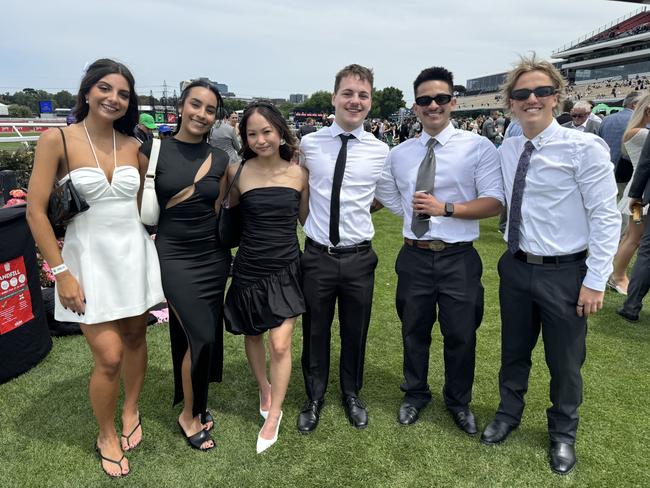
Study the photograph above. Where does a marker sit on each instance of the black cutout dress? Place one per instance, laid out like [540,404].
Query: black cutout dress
[265,288]
[193,266]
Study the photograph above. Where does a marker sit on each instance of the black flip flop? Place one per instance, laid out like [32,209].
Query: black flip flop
[128,437]
[119,463]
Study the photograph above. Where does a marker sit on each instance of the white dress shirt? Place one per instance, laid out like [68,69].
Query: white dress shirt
[467,167]
[365,160]
[569,202]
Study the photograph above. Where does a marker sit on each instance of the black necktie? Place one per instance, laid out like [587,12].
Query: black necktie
[514,217]
[335,201]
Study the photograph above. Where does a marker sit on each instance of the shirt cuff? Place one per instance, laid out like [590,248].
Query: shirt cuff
[595,282]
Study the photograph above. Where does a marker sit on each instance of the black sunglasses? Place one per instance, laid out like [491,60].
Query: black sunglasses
[540,92]
[440,99]
[579,116]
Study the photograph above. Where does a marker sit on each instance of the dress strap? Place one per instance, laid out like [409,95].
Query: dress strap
[92,147]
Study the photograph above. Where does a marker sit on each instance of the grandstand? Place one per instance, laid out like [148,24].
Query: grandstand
[603,65]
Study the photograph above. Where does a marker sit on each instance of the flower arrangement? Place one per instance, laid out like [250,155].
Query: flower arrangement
[18,197]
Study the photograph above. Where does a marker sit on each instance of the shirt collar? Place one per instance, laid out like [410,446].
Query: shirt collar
[336,130]
[443,136]
[540,139]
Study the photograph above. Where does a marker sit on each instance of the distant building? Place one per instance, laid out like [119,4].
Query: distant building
[298,97]
[616,51]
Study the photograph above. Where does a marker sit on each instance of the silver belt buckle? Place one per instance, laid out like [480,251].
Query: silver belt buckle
[437,245]
[329,250]
[532,259]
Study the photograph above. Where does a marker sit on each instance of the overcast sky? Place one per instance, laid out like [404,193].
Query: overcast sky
[276,47]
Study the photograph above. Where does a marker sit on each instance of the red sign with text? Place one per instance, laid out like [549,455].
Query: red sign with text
[15,300]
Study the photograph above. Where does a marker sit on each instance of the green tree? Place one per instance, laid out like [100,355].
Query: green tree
[64,99]
[231,104]
[286,108]
[390,100]
[19,111]
[320,101]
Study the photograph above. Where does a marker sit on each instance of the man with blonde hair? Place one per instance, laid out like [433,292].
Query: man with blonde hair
[562,234]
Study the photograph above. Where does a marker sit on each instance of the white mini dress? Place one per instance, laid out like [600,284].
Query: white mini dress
[108,249]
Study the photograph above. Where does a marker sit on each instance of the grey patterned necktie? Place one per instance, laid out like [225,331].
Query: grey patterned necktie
[514,217]
[425,181]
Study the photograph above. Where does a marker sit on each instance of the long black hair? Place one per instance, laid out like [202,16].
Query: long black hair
[274,116]
[185,93]
[94,73]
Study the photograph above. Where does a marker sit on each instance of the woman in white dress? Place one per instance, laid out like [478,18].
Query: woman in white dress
[633,140]
[107,275]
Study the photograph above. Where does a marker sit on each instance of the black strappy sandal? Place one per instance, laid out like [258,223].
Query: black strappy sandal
[197,440]
[128,437]
[119,463]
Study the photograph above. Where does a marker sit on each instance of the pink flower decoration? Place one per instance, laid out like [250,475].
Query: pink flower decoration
[13,201]
[18,194]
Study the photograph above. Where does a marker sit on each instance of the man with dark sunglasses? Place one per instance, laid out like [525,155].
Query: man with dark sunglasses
[580,119]
[561,198]
[441,184]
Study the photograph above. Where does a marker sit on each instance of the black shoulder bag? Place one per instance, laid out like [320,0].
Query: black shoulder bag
[229,222]
[65,202]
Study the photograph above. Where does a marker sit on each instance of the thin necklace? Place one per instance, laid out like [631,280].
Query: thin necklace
[93,147]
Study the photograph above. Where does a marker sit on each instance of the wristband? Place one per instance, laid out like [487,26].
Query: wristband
[59,269]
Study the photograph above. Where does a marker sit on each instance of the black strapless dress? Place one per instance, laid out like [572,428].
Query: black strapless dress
[193,266]
[265,288]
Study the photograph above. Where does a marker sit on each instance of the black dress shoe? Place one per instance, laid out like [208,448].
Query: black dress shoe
[465,421]
[356,412]
[496,432]
[309,416]
[628,316]
[408,414]
[562,457]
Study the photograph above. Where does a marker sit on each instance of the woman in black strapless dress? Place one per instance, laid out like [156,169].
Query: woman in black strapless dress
[265,293]
[194,267]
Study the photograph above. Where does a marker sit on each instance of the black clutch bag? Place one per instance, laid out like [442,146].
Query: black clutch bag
[65,202]
[229,222]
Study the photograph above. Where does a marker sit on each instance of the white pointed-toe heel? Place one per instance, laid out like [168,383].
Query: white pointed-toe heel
[263,413]
[264,444]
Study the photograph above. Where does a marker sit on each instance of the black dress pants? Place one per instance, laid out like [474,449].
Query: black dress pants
[534,297]
[444,285]
[327,278]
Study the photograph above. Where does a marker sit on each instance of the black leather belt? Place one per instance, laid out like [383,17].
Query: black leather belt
[335,250]
[533,259]
[435,245]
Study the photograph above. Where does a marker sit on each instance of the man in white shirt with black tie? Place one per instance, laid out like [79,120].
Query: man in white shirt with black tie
[441,183]
[562,234]
[338,265]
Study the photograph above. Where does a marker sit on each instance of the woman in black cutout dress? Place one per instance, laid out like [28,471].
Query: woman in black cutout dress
[194,267]
[265,293]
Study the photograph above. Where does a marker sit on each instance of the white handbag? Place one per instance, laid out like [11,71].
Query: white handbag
[150,210]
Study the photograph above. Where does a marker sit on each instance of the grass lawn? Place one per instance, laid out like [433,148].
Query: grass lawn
[47,429]
[12,146]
